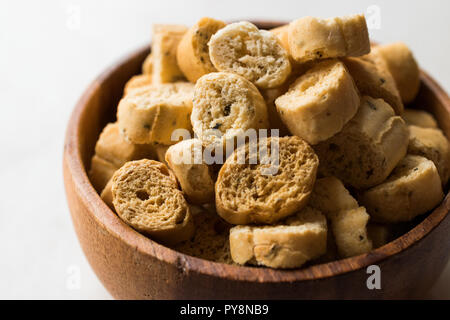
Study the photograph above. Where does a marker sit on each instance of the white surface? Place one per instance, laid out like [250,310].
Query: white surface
[51,50]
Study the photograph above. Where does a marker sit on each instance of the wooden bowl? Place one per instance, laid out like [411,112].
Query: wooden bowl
[132,266]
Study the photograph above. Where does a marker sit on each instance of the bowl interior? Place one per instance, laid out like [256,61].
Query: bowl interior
[97,107]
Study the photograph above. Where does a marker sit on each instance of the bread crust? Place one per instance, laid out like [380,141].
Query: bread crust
[245,193]
[256,55]
[111,152]
[300,238]
[348,219]
[152,113]
[138,81]
[195,177]
[320,102]
[432,144]
[165,40]
[419,118]
[403,67]
[373,78]
[147,198]
[100,172]
[193,51]
[228,104]
[312,38]
[147,65]
[368,148]
[413,188]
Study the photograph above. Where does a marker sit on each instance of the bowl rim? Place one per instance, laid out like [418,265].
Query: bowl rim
[111,223]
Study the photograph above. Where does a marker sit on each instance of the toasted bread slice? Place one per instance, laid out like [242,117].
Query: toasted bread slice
[413,188]
[225,106]
[146,197]
[195,177]
[302,237]
[193,51]
[403,67]
[267,191]
[368,148]
[254,54]
[152,113]
[313,38]
[320,102]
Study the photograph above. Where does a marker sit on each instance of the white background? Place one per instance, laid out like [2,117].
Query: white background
[51,50]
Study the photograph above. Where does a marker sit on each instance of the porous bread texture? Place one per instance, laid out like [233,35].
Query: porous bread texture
[312,38]
[433,145]
[302,237]
[266,192]
[368,148]
[111,152]
[372,77]
[254,54]
[320,102]
[165,40]
[419,118]
[413,188]
[210,240]
[106,195]
[403,67]
[152,113]
[100,172]
[147,198]
[348,219]
[193,51]
[225,105]
[195,177]
[379,234]
[147,65]
[136,82]
[282,35]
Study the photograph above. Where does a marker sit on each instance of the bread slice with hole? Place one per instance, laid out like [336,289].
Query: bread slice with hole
[368,148]
[226,105]
[147,198]
[419,118]
[165,40]
[403,67]
[348,219]
[254,54]
[193,51]
[314,38]
[373,78]
[320,102]
[195,177]
[211,237]
[152,113]
[413,188]
[433,145]
[302,237]
[268,183]
[136,82]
